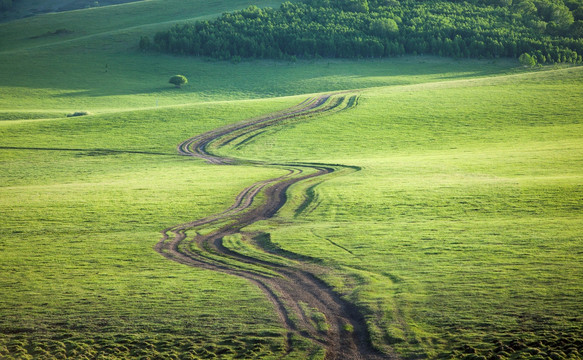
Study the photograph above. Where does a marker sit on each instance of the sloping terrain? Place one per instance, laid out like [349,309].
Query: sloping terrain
[26,8]
[299,297]
[446,219]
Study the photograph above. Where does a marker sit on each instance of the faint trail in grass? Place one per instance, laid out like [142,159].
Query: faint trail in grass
[334,244]
[89,152]
[291,284]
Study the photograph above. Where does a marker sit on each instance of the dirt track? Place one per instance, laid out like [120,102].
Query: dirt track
[292,287]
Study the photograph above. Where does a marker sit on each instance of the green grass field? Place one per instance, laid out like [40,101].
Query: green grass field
[459,237]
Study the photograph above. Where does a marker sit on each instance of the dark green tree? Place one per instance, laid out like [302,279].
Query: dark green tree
[145,43]
[549,31]
[178,80]
[527,60]
[5,4]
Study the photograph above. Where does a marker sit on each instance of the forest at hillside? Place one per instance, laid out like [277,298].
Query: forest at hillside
[542,31]
[6,4]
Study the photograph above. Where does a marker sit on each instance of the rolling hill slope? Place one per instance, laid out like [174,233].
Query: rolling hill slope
[458,236]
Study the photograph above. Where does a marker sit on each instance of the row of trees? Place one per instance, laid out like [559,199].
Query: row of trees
[6,4]
[547,31]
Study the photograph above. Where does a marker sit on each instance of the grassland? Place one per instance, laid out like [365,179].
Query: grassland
[464,223]
[460,236]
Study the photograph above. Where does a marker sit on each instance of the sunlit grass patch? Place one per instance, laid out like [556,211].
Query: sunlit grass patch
[456,232]
[462,227]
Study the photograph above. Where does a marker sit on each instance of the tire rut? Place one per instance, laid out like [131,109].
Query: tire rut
[292,286]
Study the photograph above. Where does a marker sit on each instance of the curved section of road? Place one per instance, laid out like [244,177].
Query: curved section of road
[292,286]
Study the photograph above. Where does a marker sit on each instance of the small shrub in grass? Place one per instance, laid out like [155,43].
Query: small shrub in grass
[78,113]
[62,31]
[348,327]
[178,80]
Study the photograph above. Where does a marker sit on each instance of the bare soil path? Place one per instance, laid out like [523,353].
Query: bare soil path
[291,285]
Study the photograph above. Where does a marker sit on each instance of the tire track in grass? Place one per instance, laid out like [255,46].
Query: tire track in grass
[302,301]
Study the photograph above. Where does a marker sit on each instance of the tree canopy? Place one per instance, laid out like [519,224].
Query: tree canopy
[178,80]
[548,31]
[5,4]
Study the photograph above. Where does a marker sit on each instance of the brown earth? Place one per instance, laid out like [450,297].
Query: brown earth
[294,287]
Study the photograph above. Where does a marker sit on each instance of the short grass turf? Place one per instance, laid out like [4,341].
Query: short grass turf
[461,235]
[97,67]
[460,231]
[80,217]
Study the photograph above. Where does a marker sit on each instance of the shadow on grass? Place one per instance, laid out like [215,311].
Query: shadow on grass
[88,152]
[161,90]
[129,74]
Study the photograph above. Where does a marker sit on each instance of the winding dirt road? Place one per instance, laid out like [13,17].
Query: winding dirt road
[291,285]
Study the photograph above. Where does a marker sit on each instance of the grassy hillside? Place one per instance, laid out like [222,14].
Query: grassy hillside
[462,228]
[97,66]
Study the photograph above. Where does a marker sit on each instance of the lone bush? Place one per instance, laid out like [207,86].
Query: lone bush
[178,80]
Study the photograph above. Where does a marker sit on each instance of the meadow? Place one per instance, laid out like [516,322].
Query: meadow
[463,224]
[460,236]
